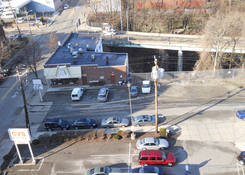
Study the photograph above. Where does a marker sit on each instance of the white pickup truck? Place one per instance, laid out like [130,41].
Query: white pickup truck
[146,87]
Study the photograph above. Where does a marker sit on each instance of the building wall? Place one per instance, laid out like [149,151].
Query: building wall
[57,73]
[94,73]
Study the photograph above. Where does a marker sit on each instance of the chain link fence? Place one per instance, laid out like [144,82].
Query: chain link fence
[220,74]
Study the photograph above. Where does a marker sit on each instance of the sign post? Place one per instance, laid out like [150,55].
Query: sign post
[21,136]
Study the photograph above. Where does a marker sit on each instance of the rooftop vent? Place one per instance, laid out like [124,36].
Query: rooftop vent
[92,57]
[80,50]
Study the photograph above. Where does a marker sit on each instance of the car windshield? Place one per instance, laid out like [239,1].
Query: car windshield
[164,156]
[145,85]
[60,121]
[242,112]
[243,154]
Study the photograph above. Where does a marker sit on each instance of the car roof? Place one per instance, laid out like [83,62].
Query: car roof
[133,87]
[76,90]
[142,117]
[151,153]
[149,140]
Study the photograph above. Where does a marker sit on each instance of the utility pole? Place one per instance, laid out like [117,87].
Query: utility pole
[24,101]
[156,100]
[15,16]
[121,15]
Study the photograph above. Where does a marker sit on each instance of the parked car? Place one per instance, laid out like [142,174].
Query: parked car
[150,143]
[146,87]
[20,20]
[105,170]
[148,169]
[110,32]
[133,91]
[143,120]
[56,123]
[156,157]
[114,122]
[66,6]
[241,158]
[84,123]
[76,94]
[240,114]
[103,95]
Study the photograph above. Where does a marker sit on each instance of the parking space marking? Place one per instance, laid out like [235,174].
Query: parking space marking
[129,156]
[238,166]
[38,169]
[111,155]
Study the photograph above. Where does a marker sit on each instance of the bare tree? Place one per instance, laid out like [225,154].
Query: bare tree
[221,32]
[52,43]
[32,54]
[94,5]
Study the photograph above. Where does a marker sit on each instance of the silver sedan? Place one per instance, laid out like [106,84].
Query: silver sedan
[114,122]
[150,143]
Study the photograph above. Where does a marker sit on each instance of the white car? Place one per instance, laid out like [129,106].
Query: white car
[150,143]
[146,87]
[110,32]
[76,94]
[112,122]
[20,20]
[66,6]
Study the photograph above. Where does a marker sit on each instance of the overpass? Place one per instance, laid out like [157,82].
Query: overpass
[176,42]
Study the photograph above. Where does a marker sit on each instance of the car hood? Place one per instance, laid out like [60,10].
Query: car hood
[103,122]
[125,121]
[163,143]
[170,157]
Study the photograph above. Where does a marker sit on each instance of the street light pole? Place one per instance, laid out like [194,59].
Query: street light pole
[156,74]
[24,101]
[156,99]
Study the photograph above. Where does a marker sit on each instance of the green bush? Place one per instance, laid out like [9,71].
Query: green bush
[163,132]
[117,137]
[35,142]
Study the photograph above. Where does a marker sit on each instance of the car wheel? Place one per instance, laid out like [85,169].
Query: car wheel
[170,164]
[241,162]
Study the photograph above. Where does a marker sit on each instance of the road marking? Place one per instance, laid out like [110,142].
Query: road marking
[9,90]
[38,169]
[129,156]
[113,155]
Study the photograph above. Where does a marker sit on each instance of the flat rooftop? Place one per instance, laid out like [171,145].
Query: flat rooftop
[63,54]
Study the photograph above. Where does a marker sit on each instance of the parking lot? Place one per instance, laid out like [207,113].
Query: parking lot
[76,158]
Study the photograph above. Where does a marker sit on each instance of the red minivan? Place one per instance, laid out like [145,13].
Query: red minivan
[156,157]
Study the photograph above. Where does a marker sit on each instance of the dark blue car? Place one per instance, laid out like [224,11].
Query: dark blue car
[148,169]
[56,124]
[84,123]
[240,114]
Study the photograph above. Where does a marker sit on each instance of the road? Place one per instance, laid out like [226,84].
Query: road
[11,103]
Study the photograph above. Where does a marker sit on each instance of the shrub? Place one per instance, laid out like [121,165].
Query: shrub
[101,134]
[117,137]
[35,142]
[163,132]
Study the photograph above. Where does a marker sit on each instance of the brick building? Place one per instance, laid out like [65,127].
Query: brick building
[82,61]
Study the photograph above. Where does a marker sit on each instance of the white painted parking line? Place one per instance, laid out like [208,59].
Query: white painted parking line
[238,166]
[129,156]
[111,155]
[38,169]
